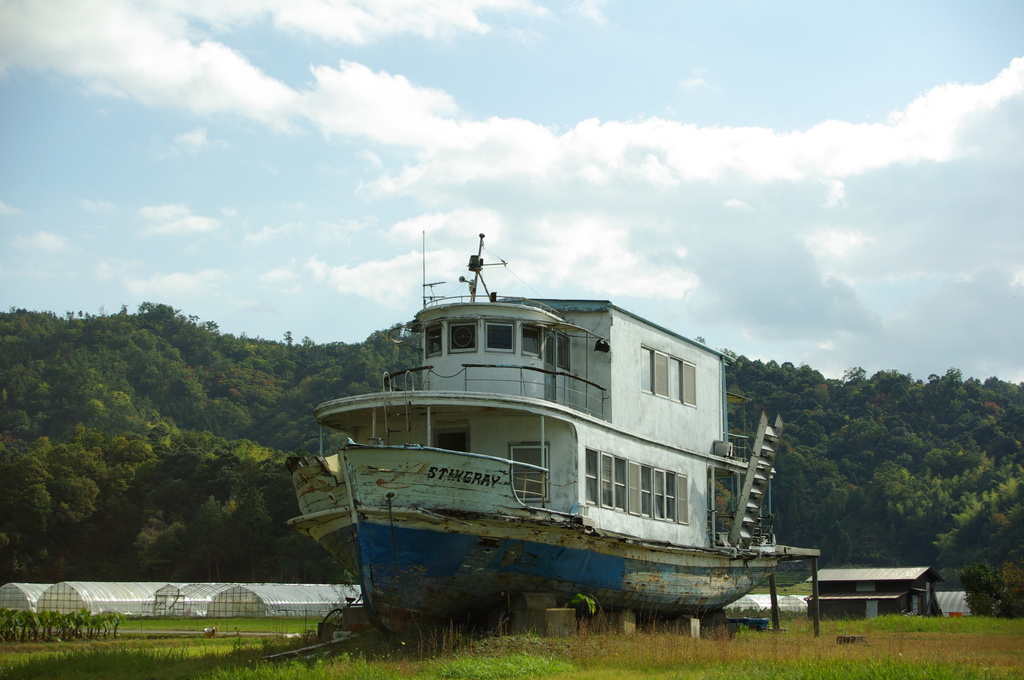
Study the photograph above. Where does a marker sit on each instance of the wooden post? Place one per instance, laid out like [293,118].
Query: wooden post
[816,611]
[775,601]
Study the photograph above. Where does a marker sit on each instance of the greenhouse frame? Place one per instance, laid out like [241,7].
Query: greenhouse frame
[275,599]
[21,596]
[129,598]
[190,599]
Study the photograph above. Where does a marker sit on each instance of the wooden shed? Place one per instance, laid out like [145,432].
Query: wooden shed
[867,593]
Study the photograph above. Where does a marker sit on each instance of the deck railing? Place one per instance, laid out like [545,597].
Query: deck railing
[524,381]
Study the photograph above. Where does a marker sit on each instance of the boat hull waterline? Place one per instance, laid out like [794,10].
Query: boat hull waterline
[436,536]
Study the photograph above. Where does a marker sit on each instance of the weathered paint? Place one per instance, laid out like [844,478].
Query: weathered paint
[438,535]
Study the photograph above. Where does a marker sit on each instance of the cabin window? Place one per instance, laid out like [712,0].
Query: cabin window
[453,440]
[556,350]
[499,337]
[562,348]
[529,484]
[607,481]
[592,476]
[646,483]
[670,496]
[531,340]
[659,494]
[634,488]
[682,499]
[620,484]
[462,337]
[434,343]
[688,383]
[654,376]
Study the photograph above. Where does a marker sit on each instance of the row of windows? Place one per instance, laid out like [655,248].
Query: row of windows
[668,377]
[499,336]
[642,490]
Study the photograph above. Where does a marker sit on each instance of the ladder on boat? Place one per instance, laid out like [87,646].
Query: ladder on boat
[746,525]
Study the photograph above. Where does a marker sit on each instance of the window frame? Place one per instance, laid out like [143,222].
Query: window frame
[427,336]
[453,329]
[533,328]
[511,329]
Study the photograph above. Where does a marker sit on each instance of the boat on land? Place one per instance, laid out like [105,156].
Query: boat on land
[565,447]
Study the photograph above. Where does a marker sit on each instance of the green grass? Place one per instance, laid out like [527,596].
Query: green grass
[900,648]
[279,625]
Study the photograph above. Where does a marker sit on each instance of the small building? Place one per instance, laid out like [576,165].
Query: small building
[867,593]
[21,596]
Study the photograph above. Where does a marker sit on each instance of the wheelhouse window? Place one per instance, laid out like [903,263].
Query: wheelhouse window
[531,340]
[499,337]
[462,337]
[562,351]
[434,342]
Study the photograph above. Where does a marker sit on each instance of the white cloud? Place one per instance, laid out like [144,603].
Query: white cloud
[99,207]
[737,204]
[42,240]
[833,243]
[175,284]
[836,193]
[175,219]
[696,83]
[392,283]
[8,209]
[194,141]
[270,232]
[591,9]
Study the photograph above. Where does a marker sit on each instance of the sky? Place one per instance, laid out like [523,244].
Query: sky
[836,184]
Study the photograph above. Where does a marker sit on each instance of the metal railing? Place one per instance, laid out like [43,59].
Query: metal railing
[524,381]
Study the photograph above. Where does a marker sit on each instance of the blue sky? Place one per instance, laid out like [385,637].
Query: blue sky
[837,184]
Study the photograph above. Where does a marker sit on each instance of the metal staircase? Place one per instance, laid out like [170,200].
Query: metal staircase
[746,526]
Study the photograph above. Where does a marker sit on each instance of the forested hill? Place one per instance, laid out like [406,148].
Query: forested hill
[148,445]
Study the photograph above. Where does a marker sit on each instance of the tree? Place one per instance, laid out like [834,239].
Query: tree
[983,586]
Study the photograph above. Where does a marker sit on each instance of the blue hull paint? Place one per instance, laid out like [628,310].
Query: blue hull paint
[423,575]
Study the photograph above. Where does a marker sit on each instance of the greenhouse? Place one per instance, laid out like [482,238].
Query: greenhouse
[763,602]
[953,603]
[273,599]
[21,596]
[190,599]
[97,597]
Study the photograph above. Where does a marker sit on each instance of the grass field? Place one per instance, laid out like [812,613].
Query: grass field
[898,648]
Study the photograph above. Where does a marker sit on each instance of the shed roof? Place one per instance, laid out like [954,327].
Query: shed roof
[883,574]
[861,596]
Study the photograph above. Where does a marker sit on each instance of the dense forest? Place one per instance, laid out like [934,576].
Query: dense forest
[149,445]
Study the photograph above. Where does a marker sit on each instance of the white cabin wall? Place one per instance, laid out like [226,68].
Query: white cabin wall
[691,532]
[664,419]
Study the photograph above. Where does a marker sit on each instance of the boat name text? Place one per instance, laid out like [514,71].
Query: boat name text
[464,476]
